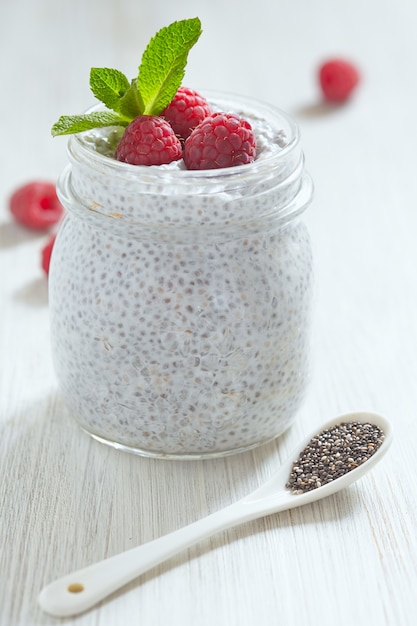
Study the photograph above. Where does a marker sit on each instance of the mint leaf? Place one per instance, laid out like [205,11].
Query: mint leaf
[108,86]
[69,124]
[131,104]
[163,64]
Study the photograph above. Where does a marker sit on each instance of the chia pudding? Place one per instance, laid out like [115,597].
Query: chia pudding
[180,300]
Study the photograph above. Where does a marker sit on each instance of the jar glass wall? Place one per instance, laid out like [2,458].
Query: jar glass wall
[181,300]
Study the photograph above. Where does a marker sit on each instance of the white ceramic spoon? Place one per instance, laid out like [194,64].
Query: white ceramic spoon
[82,589]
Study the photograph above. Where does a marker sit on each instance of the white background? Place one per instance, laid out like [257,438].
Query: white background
[66,501]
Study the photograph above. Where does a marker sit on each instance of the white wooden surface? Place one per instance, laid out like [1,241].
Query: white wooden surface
[66,501]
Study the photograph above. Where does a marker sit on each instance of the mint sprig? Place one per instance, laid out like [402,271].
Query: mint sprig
[160,75]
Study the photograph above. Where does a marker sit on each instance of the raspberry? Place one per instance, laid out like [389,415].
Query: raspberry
[149,140]
[220,140]
[36,205]
[185,111]
[46,254]
[338,78]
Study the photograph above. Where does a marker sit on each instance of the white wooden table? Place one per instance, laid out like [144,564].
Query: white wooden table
[67,501]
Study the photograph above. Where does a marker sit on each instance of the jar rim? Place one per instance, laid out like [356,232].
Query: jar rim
[81,151]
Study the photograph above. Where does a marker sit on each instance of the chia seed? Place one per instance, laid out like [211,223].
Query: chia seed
[333,453]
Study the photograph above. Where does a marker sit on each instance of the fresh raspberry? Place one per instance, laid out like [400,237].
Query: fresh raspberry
[338,78]
[36,205]
[185,111]
[220,140]
[46,254]
[149,140]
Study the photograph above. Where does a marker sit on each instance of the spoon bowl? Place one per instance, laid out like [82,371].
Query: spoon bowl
[79,591]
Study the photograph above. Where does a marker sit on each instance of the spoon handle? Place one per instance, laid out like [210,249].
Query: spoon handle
[84,588]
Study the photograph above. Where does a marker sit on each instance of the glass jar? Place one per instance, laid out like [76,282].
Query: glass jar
[180,300]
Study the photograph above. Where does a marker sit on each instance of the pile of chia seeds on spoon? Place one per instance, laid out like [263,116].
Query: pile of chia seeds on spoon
[333,453]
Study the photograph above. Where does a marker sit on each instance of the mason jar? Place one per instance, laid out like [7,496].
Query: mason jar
[180,301]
